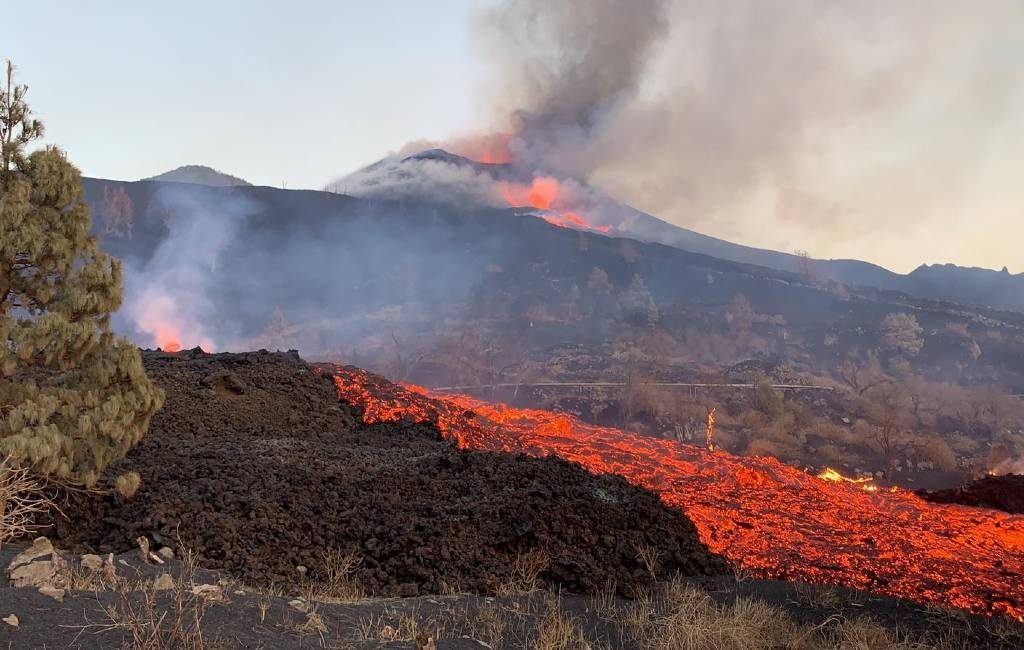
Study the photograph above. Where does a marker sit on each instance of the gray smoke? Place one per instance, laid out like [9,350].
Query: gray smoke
[810,125]
[562,68]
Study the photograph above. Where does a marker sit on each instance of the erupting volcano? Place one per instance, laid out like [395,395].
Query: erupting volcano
[546,193]
[770,519]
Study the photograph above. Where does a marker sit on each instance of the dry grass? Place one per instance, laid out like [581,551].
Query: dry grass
[558,630]
[818,596]
[648,557]
[152,619]
[22,499]
[683,617]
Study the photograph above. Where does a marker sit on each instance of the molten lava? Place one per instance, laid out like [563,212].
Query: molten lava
[864,483]
[167,338]
[546,193]
[771,519]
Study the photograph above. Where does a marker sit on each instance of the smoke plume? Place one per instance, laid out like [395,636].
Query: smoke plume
[814,125]
[168,299]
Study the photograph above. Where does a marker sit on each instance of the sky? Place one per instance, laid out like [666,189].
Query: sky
[279,93]
[888,132]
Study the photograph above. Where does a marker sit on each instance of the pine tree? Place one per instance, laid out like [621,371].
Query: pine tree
[73,397]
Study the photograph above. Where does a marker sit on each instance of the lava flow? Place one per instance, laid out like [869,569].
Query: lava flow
[770,519]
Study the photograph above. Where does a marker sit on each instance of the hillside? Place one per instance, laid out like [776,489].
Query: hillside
[199,175]
[423,176]
[343,266]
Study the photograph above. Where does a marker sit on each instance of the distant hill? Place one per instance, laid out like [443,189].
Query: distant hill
[199,175]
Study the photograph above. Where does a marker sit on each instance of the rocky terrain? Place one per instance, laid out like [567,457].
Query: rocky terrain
[254,465]
[269,517]
[1004,493]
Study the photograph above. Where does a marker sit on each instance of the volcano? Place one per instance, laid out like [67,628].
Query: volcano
[439,174]
[770,519]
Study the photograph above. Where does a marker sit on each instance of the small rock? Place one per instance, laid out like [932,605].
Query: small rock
[301,569]
[53,592]
[40,547]
[11,620]
[234,384]
[163,582]
[92,562]
[35,574]
[210,592]
[166,553]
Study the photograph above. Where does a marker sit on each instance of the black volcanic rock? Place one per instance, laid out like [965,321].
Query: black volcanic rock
[1004,493]
[262,481]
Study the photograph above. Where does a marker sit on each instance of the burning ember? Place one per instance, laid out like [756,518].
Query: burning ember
[771,519]
[865,483]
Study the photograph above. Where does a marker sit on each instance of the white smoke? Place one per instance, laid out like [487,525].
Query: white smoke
[167,299]
[399,177]
[1008,466]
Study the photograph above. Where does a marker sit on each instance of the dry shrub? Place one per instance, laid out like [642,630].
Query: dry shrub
[127,484]
[830,453]
[22,499]
[865,634]
[526,575]
[937,451]
[337,581]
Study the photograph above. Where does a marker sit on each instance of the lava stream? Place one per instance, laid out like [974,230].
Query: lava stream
[770,519]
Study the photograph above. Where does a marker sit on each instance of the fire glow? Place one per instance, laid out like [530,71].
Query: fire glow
[772,520]
[864,483]
[546,193]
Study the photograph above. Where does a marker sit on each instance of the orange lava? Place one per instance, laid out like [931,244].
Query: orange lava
[773,520]
[545,193]
[167,338]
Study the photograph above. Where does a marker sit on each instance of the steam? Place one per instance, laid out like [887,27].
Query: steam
[399,177]
[1008,466]
[168,301]
[810,125]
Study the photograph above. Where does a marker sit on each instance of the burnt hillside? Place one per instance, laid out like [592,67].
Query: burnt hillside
[347,275]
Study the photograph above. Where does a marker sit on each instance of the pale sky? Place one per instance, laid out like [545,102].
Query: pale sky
[274,92]
[888,132]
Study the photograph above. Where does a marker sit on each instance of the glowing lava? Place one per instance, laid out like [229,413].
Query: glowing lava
[771,519]
[547,194]
[167,338]
[865,483]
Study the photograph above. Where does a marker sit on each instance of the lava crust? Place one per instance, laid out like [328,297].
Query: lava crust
[254,465]
[1004,493]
